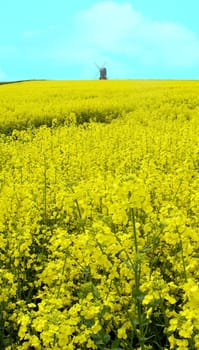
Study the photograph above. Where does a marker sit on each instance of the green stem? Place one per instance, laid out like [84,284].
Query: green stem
[183,259]
[62,274]
[78,208]
[137,273]
[45,191]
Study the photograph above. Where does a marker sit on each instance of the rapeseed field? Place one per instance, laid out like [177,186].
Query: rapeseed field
[99,208]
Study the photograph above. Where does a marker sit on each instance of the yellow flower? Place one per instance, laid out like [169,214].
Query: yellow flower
[182,344]
[147,299]
[121,333]
[186,330]
[98,211]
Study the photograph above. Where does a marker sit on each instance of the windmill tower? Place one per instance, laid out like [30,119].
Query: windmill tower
[103,72]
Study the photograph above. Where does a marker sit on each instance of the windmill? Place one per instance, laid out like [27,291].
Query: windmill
[102,71]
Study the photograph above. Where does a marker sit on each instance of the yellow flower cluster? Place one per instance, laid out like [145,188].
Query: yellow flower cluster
[99,207]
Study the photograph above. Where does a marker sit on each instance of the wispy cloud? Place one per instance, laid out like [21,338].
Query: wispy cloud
[114,28]
[132,44]
[125,38]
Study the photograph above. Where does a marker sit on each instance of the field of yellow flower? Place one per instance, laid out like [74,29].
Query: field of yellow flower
[99,208]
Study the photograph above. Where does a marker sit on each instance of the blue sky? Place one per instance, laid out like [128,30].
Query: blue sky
[45,39]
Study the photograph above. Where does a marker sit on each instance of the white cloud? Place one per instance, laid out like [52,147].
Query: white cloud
[109,28]
[106,24]
[115,33]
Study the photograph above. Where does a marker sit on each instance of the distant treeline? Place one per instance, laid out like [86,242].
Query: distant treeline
[20,81]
